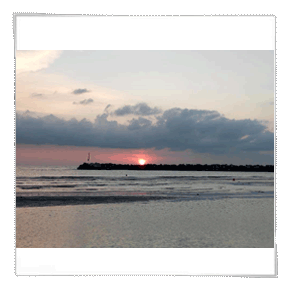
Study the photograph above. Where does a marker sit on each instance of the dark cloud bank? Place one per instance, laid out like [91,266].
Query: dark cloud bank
[201,131]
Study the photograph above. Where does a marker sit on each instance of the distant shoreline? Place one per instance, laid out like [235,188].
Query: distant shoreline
[181,167]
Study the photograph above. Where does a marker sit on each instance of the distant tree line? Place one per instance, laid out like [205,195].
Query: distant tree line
[181,167]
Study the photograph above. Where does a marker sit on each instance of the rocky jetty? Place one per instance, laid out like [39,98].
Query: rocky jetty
[181,167]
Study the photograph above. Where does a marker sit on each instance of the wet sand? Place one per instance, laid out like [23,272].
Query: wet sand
[42,201]
[235,223]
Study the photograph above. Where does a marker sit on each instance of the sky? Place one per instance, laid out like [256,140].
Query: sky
[195,107]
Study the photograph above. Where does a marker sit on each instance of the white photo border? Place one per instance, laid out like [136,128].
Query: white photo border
[185,32]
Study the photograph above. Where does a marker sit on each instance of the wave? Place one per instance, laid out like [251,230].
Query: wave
[127,178]
[28,187]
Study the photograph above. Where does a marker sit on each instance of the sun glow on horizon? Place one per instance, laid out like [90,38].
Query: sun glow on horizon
[142,162]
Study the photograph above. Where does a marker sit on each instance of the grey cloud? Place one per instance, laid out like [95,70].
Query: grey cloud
[140,109]
[36,95]
[177,129]
[123,111]
[84,102]
[80,91]
[31,113]
[139,123]
[107,107]
[27,112]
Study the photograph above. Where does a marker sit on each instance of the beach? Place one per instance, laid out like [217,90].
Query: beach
[61,207]
[223,223]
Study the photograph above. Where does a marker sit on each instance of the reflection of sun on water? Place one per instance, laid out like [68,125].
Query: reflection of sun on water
[141,161]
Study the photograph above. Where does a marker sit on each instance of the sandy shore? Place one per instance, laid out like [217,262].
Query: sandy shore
[237,223]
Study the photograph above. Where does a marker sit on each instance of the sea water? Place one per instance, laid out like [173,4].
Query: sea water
[57,181]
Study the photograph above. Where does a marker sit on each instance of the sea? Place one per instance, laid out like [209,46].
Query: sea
[60,206]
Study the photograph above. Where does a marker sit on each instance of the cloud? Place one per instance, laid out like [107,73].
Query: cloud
[80,91]
[140,123]
[84,102]
[200,131]
[29,113]
[139,109]
[36,95]
[32,61]
[106,108]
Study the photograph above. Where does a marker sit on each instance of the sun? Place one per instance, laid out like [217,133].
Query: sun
[142,162]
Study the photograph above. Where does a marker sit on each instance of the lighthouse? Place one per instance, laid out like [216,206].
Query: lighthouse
[88,159]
